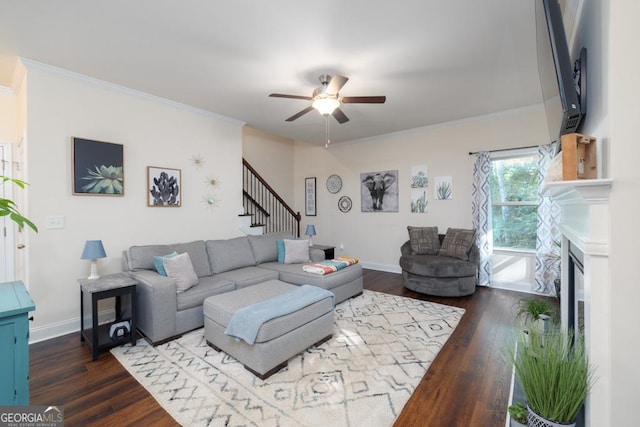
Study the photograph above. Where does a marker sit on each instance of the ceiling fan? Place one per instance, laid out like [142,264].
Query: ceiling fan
[327,100]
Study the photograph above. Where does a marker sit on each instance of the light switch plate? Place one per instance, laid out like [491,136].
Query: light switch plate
[55,222]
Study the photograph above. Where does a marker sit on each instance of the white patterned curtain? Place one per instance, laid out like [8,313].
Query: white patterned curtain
[481,211]
[548,232]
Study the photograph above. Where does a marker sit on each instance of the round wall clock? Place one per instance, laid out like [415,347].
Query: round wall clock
[344,204]
[334,184]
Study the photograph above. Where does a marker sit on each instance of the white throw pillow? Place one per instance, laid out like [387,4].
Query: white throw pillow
[180,269]
[296,251]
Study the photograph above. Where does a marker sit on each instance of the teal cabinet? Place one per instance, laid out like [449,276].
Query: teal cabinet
[15,305]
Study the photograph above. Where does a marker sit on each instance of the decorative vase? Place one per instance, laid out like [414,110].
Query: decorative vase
[536,420]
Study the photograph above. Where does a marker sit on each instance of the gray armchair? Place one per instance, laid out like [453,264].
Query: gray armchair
[439,275]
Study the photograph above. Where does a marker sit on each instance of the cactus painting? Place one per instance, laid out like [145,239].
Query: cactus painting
[419,201]
[164,187]
[443,188]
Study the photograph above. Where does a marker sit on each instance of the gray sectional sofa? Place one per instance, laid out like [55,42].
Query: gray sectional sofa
[221,266]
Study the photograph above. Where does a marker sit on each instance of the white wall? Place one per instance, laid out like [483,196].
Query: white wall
[272,157]
[375,238]
[8,115]
[61,105]
[621,94]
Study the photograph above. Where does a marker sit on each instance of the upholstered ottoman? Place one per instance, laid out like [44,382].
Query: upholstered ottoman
[278,339]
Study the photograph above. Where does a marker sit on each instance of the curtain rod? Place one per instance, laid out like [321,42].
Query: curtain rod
[471,153]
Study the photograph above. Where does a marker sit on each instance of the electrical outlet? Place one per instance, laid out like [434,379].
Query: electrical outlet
[55,222]
[342,246]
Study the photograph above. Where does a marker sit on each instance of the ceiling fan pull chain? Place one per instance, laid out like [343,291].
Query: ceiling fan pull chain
[326,121]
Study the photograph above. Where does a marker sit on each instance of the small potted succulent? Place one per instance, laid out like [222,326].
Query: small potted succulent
[518,412]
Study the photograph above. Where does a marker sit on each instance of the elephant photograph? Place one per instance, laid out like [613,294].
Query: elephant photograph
[379,191]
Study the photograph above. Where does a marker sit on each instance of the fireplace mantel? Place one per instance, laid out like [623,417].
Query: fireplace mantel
[584,221]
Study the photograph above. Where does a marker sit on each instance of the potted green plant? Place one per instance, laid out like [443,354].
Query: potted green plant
[535,314]
[555,375]
[9,208]
[518,412]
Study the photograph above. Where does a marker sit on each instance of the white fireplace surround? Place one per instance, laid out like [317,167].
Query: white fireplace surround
[584,206]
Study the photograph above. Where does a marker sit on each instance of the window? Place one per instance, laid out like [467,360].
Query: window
[514,201]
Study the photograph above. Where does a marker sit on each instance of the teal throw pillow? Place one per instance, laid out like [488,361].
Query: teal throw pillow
[281,253]
[158,261]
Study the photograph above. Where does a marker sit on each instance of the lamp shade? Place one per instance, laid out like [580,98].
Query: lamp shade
[93,249]
[311,230]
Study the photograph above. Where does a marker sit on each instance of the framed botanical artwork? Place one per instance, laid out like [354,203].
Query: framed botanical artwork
[379,191]
[419,177]
[310,196]
[443,188]
[164,187]
[98,167]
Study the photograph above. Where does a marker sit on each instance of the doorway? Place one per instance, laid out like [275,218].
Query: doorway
[6,225]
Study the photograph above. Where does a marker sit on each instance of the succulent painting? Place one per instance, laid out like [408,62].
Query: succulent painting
[444,190]
[165,190]
[104,180]
[419,180]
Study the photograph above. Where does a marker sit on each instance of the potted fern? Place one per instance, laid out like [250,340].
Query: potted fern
[9,208]
[555,375]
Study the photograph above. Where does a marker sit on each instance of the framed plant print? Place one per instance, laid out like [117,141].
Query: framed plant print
[310,196]
[98,167]
[164,187]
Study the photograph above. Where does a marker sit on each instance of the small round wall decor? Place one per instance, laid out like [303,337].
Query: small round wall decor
[344,204]
[334,184]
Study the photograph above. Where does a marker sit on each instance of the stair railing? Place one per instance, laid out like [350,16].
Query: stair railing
[265,205]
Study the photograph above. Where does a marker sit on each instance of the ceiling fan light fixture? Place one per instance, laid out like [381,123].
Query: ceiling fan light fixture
[326,105]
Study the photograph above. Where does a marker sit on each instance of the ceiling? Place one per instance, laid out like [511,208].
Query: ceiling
[436,61]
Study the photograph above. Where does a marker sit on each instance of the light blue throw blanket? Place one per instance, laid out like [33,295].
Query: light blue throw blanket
[246,322]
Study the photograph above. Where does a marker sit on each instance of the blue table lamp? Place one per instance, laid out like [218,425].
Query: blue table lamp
[310,231]
[93,250]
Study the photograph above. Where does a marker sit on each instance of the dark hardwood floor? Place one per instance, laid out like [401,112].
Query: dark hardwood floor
[467,385]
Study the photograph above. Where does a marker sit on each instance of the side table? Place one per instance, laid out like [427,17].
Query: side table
[329,251]
[111,286]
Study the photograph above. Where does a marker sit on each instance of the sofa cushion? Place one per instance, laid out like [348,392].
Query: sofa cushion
[180,269]
[207,286]
[225,255]
[247,276]
[296,251]
[198,254]
[141,257]
[424,240]
[265,248]
[457,243]
[437,266]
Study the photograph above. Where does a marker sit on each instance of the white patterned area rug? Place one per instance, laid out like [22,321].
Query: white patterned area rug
[381,348]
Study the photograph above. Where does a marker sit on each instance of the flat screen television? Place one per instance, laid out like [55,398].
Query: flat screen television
[562,83]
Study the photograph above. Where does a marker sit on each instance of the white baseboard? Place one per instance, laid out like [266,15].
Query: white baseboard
[382,267]
[54,330]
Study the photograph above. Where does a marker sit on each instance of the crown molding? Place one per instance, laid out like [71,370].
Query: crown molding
[30,64]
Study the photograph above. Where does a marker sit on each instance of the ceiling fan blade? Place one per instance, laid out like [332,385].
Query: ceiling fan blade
[363,99]
[340,116]
[299,114]
[282,95]
[335,84]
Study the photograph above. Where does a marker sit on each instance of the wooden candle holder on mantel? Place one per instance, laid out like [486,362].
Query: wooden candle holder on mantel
[578,157]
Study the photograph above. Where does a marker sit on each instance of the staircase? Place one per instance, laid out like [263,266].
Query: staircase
[265,211]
